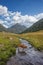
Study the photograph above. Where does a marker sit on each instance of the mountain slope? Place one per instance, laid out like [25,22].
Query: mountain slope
[17,28]
[35,27]
[2,28]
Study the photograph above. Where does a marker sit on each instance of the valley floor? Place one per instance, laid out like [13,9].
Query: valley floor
[35,39]
[9,42]
[31,56]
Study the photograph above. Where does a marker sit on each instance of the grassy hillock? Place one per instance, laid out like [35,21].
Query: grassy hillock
[8,44]
[35,38]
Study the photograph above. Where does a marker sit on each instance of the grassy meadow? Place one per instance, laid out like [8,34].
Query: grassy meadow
[8,44]
[10,41]
[35,39]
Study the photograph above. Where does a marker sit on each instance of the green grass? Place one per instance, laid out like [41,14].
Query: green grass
[35,39]
[7,46]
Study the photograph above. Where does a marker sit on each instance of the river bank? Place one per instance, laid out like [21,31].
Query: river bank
[32,56]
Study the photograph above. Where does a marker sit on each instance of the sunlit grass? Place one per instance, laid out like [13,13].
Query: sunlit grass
[8,44]
[35,38]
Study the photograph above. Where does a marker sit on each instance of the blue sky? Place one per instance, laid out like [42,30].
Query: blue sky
[30,7]
[24,12]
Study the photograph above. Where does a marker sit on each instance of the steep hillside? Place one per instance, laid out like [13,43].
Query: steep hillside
[17,28]
[2,28]
[35,27]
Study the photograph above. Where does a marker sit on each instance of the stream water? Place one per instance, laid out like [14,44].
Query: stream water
[32,56]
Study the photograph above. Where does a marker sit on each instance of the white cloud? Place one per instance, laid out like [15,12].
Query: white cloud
[11,18]
[3,10]
[5,26]
[7,18]
[16,18]
[39,16]
[24,20]
[32,19]
[1,22]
